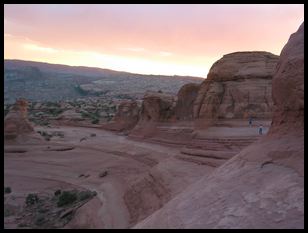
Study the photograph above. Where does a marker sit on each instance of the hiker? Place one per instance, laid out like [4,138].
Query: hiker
[260,129]
[250,121]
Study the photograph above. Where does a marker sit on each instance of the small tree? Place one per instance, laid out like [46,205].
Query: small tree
[66,197]
[31,199]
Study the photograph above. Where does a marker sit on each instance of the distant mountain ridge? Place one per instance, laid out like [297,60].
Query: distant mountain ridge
[39,81]
[81,70]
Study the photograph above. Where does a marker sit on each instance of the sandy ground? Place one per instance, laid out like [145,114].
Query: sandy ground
[141,178]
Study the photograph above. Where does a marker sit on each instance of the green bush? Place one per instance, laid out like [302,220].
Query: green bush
[95,121]
[31,199]
[7,190]
[83,195]
[39,220]
[67,197]
[58,192]
[7,212]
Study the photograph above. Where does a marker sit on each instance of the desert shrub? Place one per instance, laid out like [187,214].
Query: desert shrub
[31,199]
[7,190]
[22,224]
[39,219]
[8,212]
[55,111]
[58,192]
[93,135]
[67,197]
[45,135]
[95,121]
[83,195]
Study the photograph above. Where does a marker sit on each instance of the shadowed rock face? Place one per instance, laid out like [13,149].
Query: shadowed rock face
[263,185]
[185,101]
[157,107]
[16,122]
[237,86]
[126,117]
[288,86]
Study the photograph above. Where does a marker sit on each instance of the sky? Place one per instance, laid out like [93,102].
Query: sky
[166,39]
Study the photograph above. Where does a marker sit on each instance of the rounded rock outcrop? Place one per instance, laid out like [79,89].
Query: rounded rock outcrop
[237,86]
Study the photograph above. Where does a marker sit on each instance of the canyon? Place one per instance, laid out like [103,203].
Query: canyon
[185,160]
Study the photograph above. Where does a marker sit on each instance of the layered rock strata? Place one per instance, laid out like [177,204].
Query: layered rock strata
[263,185]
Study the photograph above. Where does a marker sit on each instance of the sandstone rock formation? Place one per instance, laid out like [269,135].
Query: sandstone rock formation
[237,86]
[16,121]
[125,118]
[185,101]
[69,117]
[288,83]
[262,186]
[157,107]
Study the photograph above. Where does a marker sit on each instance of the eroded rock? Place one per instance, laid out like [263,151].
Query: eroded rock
[263,185]
[16,122]
[237,86]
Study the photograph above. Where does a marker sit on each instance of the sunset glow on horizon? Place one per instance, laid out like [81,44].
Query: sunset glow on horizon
[143,38]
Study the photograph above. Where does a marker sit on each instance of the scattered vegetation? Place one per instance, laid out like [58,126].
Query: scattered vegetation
[31,199]
[45,135]
[92,135]
[81,91]
[93,116]
[66,198]
[49,210]
[95,121]
[55,111]
[39,220]
[83,195]
[8,212]
[58,192]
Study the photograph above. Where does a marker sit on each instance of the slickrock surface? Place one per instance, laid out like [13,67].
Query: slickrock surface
[263,185]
